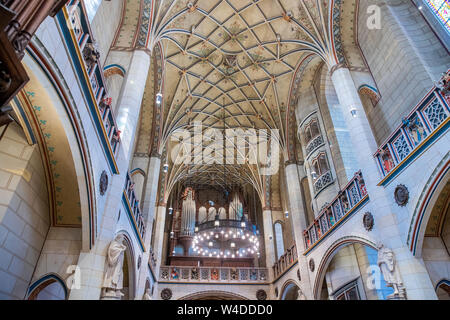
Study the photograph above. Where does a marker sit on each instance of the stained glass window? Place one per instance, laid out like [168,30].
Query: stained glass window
[441,9]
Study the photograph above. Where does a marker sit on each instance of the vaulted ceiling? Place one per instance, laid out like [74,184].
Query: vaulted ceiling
[231,64]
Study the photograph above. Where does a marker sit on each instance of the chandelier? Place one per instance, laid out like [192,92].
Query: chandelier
[226,239]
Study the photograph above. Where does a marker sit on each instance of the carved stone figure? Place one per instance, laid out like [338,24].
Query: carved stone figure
[91,55]
[300,295]
[147,295]
[388,266]
[312,265]
[113,279]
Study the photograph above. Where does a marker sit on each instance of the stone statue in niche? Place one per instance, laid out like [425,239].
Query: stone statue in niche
[388,266]
[300,295]
[147,295]
[113,279]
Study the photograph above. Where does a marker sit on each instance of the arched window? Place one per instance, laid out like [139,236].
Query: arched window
[279,239]
[441,10]
[91,8]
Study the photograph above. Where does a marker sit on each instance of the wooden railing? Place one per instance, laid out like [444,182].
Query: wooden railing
[285,262]
[428,117]
[213,274]
[134,206]
[333,214]
[86,58]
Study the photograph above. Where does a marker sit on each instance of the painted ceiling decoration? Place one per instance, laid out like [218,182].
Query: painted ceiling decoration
[230,64]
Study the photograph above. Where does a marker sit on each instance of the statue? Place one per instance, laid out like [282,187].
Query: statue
[300,295]
[147,295]
[113,279]
[391,274]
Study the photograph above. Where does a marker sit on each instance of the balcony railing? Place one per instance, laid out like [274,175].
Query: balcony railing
[346,202]
[314,144]
[323,181]
[213,274]
[422,126]
[287,260]
[132,203]
[75,26]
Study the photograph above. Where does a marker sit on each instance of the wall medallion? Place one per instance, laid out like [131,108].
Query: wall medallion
[261,295]
[166,294]
[368,221]
[298,275]
[312,265]
[103,183]
[139,262]
[401,195]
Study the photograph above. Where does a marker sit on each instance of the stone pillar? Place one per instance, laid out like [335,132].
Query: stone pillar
[148,211]
[159,236]
[131,99]
[414,273]
[421,37]
[269,241]
[298,216]
[92,263]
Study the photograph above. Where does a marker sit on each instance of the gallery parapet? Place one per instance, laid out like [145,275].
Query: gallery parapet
[332,215]
[425,123]
[213,274]
[74,23]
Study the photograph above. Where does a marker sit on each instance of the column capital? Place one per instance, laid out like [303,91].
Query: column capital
[336,67]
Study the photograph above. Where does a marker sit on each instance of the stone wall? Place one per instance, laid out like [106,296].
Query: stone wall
[24,212]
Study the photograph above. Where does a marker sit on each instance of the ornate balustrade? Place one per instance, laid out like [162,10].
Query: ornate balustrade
[212,274]
[332,215]
[132,206]
[427,121]
[75,27]
[288,259]
[323,181]
[314,144]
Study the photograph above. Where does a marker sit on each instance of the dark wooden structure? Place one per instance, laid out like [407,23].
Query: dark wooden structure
[19,20]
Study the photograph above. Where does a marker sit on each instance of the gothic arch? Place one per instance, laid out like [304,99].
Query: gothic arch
[130,263]
[422,212]
[287,286]
[328,256]
[213,295]
[44,282]
[59,132]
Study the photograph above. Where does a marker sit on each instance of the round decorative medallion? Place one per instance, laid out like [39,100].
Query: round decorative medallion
[298,275]
[401,195]
[261,295]
[166,294]
[368,221]
[312,265]
[139,262]
[103,183]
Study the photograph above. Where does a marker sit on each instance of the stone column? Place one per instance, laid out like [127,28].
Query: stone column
[421,37]
[148,211]
[92,263]
[414,273]
[131,99]
[159,236]
[298,216]
[269,241]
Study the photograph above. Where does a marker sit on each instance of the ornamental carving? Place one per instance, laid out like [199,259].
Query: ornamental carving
[298,275]
[103,183]
[312,265]
[261,294]
[166,294]
[401,195]
[368,221]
